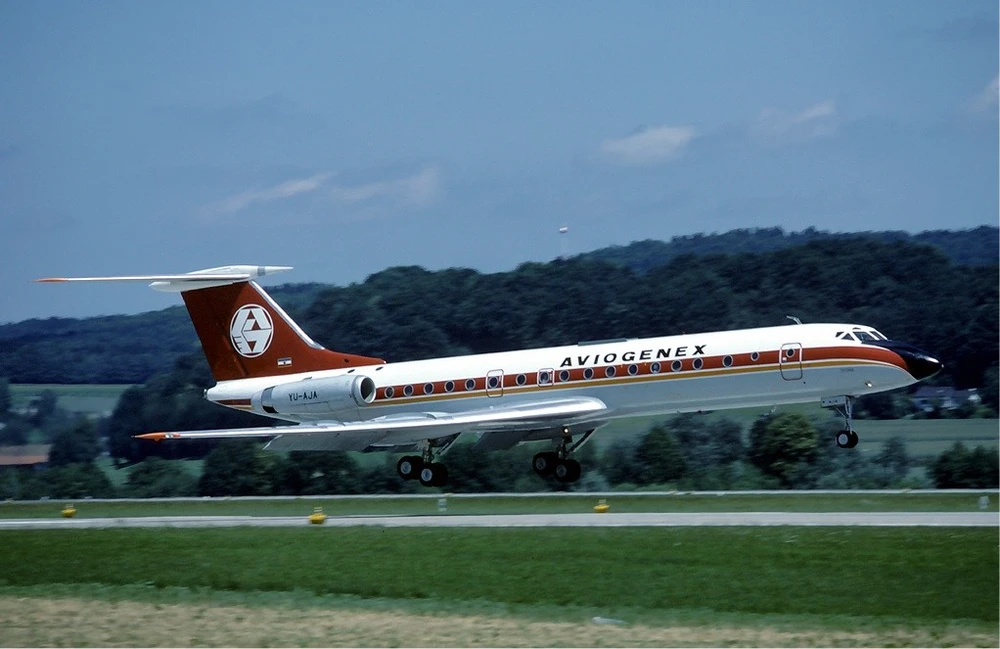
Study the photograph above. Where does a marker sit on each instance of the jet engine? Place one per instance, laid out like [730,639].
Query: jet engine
[316,396]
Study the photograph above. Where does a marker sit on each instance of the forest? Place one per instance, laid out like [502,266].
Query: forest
[635,290]
[911,291]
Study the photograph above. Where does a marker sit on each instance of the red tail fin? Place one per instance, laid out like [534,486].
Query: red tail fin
[246,334]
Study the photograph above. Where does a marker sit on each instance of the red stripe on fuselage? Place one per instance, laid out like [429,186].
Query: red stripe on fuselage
[711,365]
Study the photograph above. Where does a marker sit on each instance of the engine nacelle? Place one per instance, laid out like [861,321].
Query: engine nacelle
[316,396]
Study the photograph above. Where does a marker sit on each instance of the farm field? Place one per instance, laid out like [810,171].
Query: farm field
[924,437]
[510,587]
[95,399]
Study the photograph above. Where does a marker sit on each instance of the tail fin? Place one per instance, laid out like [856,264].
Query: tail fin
[244,333]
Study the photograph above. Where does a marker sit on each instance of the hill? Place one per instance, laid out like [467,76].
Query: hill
[113,349]
[977,247]
[913,291]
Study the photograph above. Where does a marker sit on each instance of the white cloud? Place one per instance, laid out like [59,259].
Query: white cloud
[649,146]
[986,100]
[287,189]
[338,198]
[416,190]
[818,120]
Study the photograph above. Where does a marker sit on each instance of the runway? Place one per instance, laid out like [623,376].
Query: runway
[713,519]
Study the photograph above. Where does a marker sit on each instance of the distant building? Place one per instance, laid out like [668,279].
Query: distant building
[931,397]
[28,455]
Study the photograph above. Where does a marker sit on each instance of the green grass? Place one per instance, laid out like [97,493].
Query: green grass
[902,573]
[459,505]
[927,437]
[924,437]
[119,475]
[95,398]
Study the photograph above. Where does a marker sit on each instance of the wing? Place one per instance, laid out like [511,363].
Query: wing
[512,423]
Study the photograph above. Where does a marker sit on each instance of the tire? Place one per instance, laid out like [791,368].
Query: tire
[440,475]
[433,475]
[409,467]
[567,471]
[575,471]
[544,463]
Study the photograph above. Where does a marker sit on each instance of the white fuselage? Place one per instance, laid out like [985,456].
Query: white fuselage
[671,374]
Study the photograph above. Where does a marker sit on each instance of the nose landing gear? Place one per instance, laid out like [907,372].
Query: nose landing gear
[846,438]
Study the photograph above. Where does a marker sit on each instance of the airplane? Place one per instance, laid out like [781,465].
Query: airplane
[264,363]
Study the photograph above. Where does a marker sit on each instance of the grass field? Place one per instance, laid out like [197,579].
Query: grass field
[546,504]
[928,437]
[99,399]
[119,475]
[767,586]
[924,437]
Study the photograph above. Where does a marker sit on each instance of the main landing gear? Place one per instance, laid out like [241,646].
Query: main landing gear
[846,438]
[423,468]
[557,463]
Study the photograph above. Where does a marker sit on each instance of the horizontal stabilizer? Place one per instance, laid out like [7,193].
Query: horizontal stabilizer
[206,278]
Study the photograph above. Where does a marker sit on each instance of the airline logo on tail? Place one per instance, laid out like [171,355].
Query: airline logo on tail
[251,330]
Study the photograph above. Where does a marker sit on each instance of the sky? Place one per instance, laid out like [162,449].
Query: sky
[343,138]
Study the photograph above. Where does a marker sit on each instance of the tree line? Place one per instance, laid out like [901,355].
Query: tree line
[686,452]
[976,247]
[731,279]
[911,292]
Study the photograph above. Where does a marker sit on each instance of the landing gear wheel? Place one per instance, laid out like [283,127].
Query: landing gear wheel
[433,475]
[567,471]
[440,475]
[409,467]
[847,439]
[544,463]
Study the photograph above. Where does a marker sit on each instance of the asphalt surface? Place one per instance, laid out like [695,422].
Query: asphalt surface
[715,519]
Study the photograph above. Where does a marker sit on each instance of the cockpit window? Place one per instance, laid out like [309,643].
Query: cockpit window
[864,335]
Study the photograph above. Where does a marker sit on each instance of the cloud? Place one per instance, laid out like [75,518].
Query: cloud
[416,190]
[986,100]
[818,120]
[285,190]
[330,195]
[648,146]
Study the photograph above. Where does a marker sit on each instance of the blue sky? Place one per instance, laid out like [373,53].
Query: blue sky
[345,137]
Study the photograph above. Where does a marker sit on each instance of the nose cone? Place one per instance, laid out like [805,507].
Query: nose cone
[919,363]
